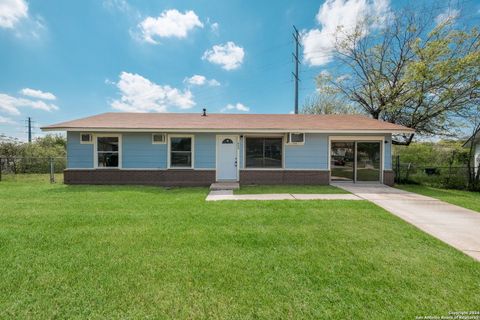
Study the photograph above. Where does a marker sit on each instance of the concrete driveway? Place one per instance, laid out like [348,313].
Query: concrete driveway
[454,225]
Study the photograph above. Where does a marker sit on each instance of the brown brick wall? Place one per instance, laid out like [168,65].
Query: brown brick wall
[166,178]
[389,177]
[307,177]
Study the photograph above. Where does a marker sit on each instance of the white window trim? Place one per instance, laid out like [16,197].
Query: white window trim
[380,139]
[289,142]
[86,142]
[170,136]
[95,151]
[159,133]
[244,164]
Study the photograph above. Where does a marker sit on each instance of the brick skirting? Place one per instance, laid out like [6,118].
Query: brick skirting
[388,177]
[167,178]
[190,178]
[306,177]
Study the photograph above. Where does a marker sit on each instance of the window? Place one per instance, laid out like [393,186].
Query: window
[85,138]
[108,152]
[181,152]
[227,141]
[295,138]
[159,138]
[263,152]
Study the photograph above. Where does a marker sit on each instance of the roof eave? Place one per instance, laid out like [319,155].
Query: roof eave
[258,130]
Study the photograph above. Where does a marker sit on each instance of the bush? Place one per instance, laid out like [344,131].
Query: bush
[22,157]
[442,164]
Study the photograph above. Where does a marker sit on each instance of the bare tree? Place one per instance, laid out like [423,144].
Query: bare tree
[411,71]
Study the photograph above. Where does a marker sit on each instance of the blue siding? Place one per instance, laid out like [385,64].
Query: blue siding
[387,152]
[78,155]
[311,155]
[205,150]
[138,151]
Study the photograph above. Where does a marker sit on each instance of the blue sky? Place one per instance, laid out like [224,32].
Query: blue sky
[61,60]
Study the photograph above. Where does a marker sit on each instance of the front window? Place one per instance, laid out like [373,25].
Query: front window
[263,152]
[107,152]
[180,152]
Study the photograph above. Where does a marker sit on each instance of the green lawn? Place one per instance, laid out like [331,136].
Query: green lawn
[466,199]
[115,252]
[263,189]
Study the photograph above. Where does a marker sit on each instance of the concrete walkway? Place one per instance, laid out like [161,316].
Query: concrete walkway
[221,195]
[454,225]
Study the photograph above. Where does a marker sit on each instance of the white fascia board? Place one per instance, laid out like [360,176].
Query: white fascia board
[394,131]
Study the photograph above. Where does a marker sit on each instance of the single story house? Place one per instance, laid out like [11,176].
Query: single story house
[187,149]
[475,140]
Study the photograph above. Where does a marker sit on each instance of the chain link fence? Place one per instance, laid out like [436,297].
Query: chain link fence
[450,177]
[44,168]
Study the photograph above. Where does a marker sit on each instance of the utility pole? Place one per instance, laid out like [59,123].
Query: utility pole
[295,74]
[29,130]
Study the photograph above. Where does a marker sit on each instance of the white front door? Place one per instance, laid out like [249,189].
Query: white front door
[227,158]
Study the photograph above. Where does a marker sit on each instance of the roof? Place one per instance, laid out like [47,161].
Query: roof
[227,122]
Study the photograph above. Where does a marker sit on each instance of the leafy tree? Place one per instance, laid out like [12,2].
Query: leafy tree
[327,99]
[10,150]
[33,157]
[411,71]
[433,154]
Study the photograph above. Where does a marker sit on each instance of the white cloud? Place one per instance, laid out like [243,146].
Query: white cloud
[11,105]
[235,107]
[214,27]
[449,15]
[199,80]
[213,83]
[5,120]
[11,12]
[139,94]
[120,5]
[229,55]
[38,94]
[170,23]
[318,44]
[14,16]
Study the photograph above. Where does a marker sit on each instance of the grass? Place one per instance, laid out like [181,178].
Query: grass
[111,252]
[466,199]
[263,189]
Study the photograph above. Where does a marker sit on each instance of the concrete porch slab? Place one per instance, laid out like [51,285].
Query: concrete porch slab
[224,186]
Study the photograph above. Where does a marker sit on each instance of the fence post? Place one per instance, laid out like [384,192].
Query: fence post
[52,170]
[398,175]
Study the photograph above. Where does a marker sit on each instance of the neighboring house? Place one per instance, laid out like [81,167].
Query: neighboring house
[475,140]
[185,149]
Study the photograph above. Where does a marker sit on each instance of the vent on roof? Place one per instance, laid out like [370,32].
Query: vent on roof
[204,114]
